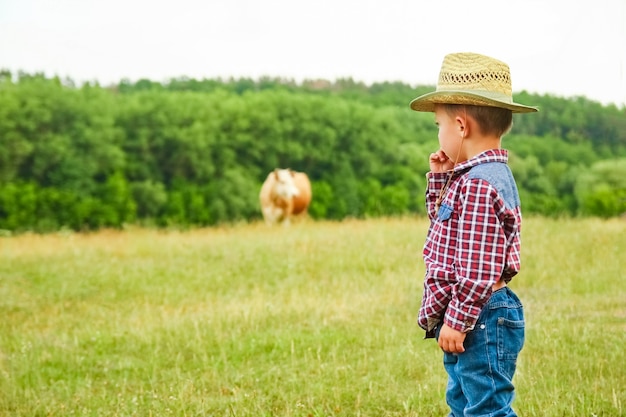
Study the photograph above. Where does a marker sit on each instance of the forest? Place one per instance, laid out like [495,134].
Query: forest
[190,153]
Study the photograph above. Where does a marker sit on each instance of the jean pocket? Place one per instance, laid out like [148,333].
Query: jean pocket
[510,340]
[445,212]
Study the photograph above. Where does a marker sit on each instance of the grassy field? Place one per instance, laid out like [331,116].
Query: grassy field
[313,320]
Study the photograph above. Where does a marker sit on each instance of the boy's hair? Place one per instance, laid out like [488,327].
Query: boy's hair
[491,120]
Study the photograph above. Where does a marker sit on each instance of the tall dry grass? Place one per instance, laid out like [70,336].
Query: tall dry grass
[313,320]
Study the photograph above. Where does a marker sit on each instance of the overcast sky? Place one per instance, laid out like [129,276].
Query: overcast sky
[560,47]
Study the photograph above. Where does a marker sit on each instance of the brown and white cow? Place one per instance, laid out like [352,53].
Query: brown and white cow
[284,194]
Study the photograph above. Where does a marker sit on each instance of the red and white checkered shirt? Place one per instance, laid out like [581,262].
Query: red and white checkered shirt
[472,242]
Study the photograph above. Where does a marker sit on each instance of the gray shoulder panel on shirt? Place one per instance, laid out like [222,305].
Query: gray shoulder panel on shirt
[499,175]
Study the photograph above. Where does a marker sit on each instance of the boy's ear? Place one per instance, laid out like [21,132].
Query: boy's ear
[462,125]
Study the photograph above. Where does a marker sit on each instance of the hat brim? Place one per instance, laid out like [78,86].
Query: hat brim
[427,102]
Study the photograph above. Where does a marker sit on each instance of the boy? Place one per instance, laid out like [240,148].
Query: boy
[472,249]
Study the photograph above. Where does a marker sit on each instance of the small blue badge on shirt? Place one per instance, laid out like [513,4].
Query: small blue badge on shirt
[445,211]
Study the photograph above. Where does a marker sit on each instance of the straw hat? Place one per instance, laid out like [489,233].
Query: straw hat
[473,79]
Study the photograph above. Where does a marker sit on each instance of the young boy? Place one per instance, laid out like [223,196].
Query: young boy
[472,249]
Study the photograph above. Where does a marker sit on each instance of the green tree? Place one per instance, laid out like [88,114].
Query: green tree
[150,198]
[18,206]
[601,191]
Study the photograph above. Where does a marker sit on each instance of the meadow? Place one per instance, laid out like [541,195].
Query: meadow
[317,319]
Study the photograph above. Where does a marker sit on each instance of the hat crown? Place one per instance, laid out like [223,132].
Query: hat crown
[470,71]
[468,78]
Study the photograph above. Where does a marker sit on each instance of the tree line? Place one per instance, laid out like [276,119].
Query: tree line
[191,152]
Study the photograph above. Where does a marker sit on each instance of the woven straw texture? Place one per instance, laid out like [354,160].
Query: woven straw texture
[472,79]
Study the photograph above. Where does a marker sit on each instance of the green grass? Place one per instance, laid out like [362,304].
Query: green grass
[313,320]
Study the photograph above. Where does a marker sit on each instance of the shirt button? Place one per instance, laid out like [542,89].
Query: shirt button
[482,326]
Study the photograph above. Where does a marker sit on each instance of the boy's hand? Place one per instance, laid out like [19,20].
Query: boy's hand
[439,162]
[451,340]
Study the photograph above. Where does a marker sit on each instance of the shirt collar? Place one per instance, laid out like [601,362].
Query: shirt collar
[492,155]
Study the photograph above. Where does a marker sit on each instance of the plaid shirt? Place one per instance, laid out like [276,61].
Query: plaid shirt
[472,242]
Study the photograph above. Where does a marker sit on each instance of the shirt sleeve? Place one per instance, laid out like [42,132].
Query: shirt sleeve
[480,254]
[435,182]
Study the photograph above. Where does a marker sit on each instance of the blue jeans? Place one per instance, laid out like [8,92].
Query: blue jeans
[480,379]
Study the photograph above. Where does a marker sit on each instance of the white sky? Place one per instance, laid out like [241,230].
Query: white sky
[560,47]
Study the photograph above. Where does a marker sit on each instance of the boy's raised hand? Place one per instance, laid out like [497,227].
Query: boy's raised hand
[439,162]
